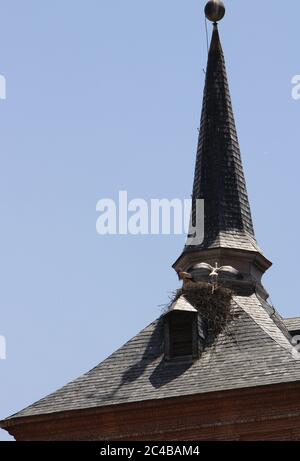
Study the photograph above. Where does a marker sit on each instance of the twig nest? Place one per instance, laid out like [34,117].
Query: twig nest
[214,308]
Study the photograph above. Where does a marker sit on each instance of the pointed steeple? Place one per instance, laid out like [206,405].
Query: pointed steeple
[219,177]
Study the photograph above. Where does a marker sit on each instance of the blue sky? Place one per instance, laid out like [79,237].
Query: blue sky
[102,96]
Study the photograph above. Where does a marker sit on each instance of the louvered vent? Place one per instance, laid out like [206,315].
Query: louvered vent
[181,335]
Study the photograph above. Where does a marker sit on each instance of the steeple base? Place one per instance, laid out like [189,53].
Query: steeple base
[239,270]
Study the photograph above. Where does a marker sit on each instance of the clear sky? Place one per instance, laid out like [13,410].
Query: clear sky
[102,96]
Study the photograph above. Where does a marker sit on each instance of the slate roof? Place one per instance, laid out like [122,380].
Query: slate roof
[219,178]
[292,324]
[256,352]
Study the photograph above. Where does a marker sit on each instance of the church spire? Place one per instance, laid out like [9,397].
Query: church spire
[219,178]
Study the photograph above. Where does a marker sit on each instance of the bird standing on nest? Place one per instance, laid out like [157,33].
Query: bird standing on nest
[186,277]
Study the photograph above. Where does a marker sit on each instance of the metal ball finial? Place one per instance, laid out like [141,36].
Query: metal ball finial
[215,10]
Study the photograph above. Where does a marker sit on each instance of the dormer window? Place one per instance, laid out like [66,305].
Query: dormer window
[181,332]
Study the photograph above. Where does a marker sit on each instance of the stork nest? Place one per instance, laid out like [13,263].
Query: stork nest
[213,305]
